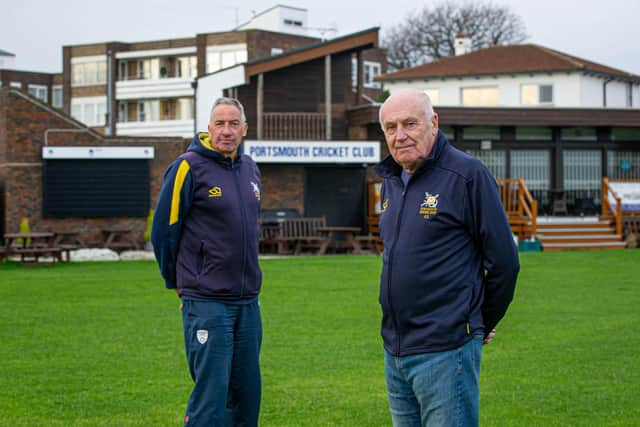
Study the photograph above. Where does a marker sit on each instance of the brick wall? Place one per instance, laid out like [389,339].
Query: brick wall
[22,126]
[260,43]
[282,187]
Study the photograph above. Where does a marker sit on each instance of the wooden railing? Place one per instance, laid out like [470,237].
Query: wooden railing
[294,126]
[608,209]
[520,206]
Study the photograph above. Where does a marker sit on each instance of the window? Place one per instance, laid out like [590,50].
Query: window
[39,91]
[625,134]
[533,94]
[85,73]
[371,71]
[623,165]
[479,96]
[56,96]
[276,51]
[533,166]
[629,94]
[531,133]
[481,132]
[434,95]
[187,67]
[122,70]
[17,85]
[148,69]
[448,132]
[91,111]
[224,56]
[582,169]
[123,112]
[185,109]
[578,134]
[494,160]
[149,111]
[293,22]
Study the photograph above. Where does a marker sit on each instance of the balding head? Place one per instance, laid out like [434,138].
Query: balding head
[410,127]
[411,95]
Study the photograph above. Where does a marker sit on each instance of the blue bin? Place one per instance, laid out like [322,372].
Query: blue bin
[527,245]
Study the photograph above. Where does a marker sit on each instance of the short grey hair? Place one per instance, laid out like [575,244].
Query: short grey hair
[229,101]
[428,108]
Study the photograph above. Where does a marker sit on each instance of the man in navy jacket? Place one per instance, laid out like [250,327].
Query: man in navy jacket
[449,267]
[205,237]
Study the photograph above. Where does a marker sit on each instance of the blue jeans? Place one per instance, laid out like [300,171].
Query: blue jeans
[435,389]
[222,342]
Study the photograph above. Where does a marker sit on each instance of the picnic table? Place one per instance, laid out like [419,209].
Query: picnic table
[118,239]
[339,237]
[68,240]
[31,246]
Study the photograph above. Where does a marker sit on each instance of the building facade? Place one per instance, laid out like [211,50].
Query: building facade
[296,105]
[145,88]
[46,87]
[560,122]
[61,175]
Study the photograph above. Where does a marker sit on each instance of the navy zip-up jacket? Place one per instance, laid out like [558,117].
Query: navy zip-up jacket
[205,228]
[449,260]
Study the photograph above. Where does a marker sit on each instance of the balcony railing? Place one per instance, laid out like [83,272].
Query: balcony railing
[520,206]
[294,126]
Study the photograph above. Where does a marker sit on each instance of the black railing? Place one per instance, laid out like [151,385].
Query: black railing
[576,202]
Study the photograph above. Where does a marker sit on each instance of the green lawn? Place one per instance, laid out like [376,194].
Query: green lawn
[100,344]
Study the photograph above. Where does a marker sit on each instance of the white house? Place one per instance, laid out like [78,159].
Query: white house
[525,75]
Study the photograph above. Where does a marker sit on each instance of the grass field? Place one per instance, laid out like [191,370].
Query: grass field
[100,344]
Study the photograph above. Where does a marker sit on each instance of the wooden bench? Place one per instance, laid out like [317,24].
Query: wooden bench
[33,254]
[368,243]
[269,234]
[30,247]
[300,234]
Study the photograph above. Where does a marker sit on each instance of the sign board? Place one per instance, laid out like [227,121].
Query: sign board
[98,152]
[313,151]
[629,193]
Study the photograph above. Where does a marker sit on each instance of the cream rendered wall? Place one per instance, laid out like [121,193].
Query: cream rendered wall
[591,92]
[566,88]
[570,90]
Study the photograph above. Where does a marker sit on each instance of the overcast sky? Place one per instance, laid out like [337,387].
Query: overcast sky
[607,32]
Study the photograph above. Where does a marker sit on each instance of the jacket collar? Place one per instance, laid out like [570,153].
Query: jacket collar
[201,144]
[388,167]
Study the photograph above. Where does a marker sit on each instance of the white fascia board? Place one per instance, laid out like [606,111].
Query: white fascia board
[82,59]
[98,152]
[156,52]
[210,88]
[226,47]
[162,88]
[325,152]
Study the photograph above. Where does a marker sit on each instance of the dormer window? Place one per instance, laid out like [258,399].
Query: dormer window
[293,22]
[534,94]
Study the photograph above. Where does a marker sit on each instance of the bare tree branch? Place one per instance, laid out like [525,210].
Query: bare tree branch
[429,34]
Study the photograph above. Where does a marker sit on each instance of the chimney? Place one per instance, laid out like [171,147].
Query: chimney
[463,44]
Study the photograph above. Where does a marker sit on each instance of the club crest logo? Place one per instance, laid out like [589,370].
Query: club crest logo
[429,206]
[385,205]
[215,191]
[256,190]
[202,335]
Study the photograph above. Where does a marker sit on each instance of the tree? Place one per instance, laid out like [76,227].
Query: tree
[429,34]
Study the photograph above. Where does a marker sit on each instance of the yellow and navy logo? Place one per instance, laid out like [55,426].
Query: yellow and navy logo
[429,206]
[256,190]
[215,191]
[385,205]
